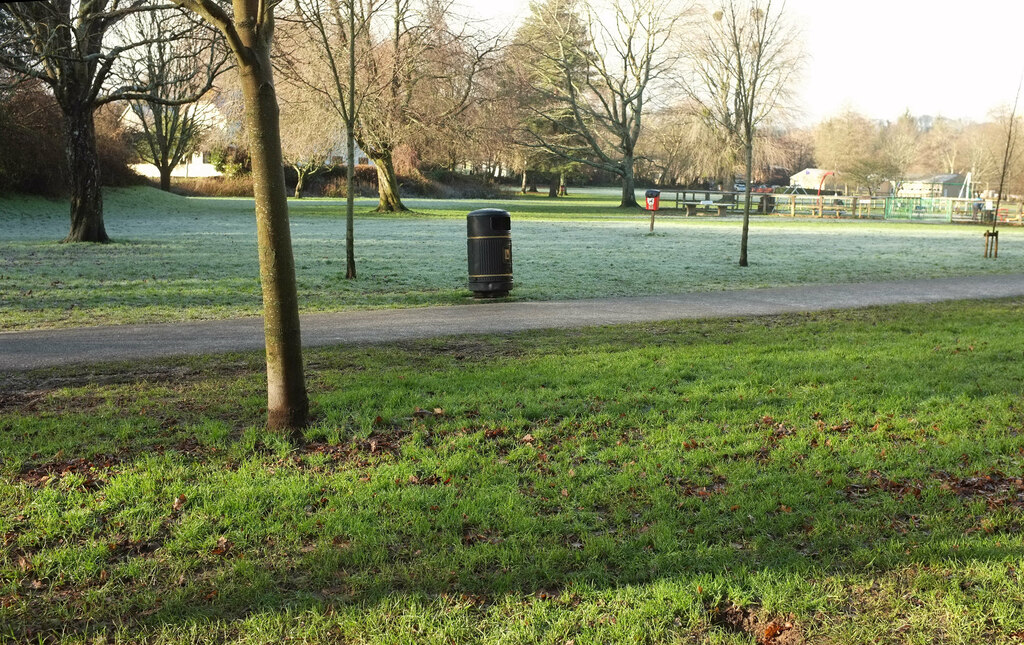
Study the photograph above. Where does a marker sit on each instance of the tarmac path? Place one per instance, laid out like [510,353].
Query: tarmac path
[26,350]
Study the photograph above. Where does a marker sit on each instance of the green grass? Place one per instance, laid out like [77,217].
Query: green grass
[855,475]
[178,258]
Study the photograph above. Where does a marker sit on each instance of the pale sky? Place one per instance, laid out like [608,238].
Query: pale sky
[957,59]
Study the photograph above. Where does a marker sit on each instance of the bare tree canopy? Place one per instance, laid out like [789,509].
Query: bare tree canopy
[172,124]
[591,69]
[742,67]
[73,47]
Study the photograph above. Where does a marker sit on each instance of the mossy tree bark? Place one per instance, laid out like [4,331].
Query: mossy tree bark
[287,402]
[387,183]
[249,36]
[84,170]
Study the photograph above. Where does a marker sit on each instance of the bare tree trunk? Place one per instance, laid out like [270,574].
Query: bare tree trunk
[84,171]
[300,181]
[553,186]
[561,184]
[749,150]
[387,185]
[287,401]
[523,189]
[628,184]
[165,178]
[350,150]
[350,208]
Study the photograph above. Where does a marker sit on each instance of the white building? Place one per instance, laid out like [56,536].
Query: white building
[808,178]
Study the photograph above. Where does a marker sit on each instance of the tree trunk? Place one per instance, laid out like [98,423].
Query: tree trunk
[350,204]
[165,179]
[287,401]
[628,184]
[84,169]
[350,150]
[300,181]
[561,185]
[387,185]
[553,187]
[523,190]
[749,150]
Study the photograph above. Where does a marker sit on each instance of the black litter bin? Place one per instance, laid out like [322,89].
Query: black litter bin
[489,249]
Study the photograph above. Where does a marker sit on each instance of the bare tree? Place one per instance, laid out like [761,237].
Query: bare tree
[596,68]
[431,70]
[72,47]
[331,55]
[310,133]
[172,125]
[249,35]
[845,141]
[899,148]
[743,64]
[1009,155]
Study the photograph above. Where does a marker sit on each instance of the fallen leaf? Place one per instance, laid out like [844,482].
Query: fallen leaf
[770,632]
[565,492]
[527,438]
[222,546]
[179,502]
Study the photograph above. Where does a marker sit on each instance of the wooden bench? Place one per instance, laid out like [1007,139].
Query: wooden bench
[691,207]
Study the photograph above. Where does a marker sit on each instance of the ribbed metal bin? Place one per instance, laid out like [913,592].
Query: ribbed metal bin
[489,250]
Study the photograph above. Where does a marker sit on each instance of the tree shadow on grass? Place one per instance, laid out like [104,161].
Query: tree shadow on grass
[423,538]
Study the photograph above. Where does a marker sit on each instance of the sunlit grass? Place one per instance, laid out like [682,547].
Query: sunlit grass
[853,475]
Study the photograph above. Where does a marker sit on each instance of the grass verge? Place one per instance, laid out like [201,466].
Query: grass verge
[831,477]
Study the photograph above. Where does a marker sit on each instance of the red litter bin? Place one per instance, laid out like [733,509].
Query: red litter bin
[653,199]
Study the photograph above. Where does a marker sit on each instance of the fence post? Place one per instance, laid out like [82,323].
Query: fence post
[792,205]
[854,200]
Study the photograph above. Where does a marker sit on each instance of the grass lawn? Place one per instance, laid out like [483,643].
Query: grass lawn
[842,477]
[180,258]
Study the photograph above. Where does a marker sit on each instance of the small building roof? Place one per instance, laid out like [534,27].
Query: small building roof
[938,179]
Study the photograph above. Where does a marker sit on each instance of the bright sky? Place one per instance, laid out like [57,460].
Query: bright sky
[953,58]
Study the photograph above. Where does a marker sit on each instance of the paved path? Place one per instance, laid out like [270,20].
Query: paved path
[35,349]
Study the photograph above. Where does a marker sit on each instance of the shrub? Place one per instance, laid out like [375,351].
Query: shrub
[333,182]
[115,147]
[32,146]
[213,186]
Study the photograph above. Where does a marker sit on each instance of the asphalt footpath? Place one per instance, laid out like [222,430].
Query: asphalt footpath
[26,350]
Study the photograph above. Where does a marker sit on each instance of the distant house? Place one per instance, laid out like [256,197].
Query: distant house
[932,186]
[199,163]
[808,178]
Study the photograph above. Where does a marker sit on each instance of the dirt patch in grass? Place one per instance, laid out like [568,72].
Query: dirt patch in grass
[742,620]
[95,471]
[995,487]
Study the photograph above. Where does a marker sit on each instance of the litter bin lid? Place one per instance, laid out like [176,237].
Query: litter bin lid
[652,193]
[488,221]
